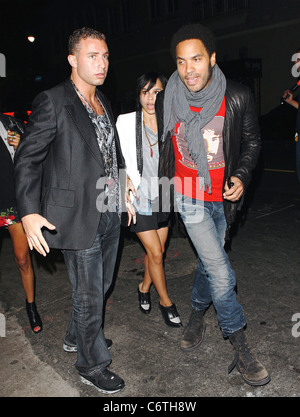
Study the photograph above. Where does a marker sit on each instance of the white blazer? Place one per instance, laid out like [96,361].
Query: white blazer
[126,126]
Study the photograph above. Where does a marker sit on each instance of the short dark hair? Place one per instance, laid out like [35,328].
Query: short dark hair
[150,77]
[83,33]
[194,31]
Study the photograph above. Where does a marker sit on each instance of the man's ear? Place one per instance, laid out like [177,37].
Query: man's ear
[72,61]
[213,59]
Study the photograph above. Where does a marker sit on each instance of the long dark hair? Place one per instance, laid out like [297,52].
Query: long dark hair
[151,78]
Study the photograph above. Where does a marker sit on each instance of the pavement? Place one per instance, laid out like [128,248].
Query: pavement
[264,252]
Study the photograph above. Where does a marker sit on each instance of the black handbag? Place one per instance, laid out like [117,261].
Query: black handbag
[12,123]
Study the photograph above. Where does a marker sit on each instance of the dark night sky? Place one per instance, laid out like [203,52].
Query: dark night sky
[19,19]
[26,61]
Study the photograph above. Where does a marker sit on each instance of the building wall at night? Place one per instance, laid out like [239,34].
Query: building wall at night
[249,32]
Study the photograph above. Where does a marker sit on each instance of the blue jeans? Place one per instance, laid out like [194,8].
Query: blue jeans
[214,279]
[91,273]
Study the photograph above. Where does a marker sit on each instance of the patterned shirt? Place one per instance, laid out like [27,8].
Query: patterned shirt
[106,142]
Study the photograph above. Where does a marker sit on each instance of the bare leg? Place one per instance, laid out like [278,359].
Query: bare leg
[22,258]
[154,244]
[23,261]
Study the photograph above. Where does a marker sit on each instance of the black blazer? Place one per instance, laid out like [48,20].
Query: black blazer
[58,165]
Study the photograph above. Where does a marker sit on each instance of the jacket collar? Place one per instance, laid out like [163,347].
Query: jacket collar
[81,120]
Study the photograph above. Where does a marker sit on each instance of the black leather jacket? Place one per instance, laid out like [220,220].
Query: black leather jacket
[241,140]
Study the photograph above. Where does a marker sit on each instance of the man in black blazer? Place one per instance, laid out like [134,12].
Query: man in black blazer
[68,172]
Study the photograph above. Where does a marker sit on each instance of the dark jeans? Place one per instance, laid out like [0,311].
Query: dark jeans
[91,273]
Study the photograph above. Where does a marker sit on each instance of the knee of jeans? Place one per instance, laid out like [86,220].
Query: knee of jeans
[86,301]
[197,300]
[223,289]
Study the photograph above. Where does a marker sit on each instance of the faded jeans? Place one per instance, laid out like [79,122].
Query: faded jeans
[91,273]
[214,279]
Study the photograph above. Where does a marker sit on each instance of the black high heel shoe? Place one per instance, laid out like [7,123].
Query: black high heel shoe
[144,301]
[170,315]
[34,317]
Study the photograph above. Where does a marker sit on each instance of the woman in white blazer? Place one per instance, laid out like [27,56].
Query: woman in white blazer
[139,143]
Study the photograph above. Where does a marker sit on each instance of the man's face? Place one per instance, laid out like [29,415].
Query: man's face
[194,64]
[90,61]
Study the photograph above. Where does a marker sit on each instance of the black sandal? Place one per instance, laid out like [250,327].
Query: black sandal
[144,301]
[34,317]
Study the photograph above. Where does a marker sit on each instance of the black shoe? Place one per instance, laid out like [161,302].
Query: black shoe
[108,343]
[144,301]
[170,315]
[70,348]
[34,318]
[104,381]
[252,371]
[194,332]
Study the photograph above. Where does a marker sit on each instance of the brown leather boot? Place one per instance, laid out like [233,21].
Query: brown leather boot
[252,371]
[194,332]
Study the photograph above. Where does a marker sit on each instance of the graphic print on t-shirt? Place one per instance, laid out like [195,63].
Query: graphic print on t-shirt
[212,135]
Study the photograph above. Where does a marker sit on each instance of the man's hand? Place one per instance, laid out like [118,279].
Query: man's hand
[32,224]
[235,192]
[290,99]
[289,96]
[129,206]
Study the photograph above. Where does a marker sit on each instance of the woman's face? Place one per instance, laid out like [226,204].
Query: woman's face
[147,98]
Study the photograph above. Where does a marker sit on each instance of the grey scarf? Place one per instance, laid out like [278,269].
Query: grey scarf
[177,102]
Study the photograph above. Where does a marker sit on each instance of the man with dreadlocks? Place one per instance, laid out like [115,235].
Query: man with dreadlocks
[210,135]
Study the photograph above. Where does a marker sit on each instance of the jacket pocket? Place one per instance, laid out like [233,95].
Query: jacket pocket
[60,197]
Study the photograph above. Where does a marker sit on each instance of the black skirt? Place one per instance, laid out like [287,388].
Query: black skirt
[144,223]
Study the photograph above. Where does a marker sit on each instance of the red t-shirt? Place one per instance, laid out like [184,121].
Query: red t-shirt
[186,171]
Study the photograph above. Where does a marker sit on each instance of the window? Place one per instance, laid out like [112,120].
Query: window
[118,18]
[209,8]
[155,9]
[162,8]
[172,6]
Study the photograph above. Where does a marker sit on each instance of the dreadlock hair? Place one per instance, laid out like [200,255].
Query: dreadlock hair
[194,31]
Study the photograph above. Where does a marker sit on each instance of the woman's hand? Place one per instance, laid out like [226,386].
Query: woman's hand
[129,206]
[13,138]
